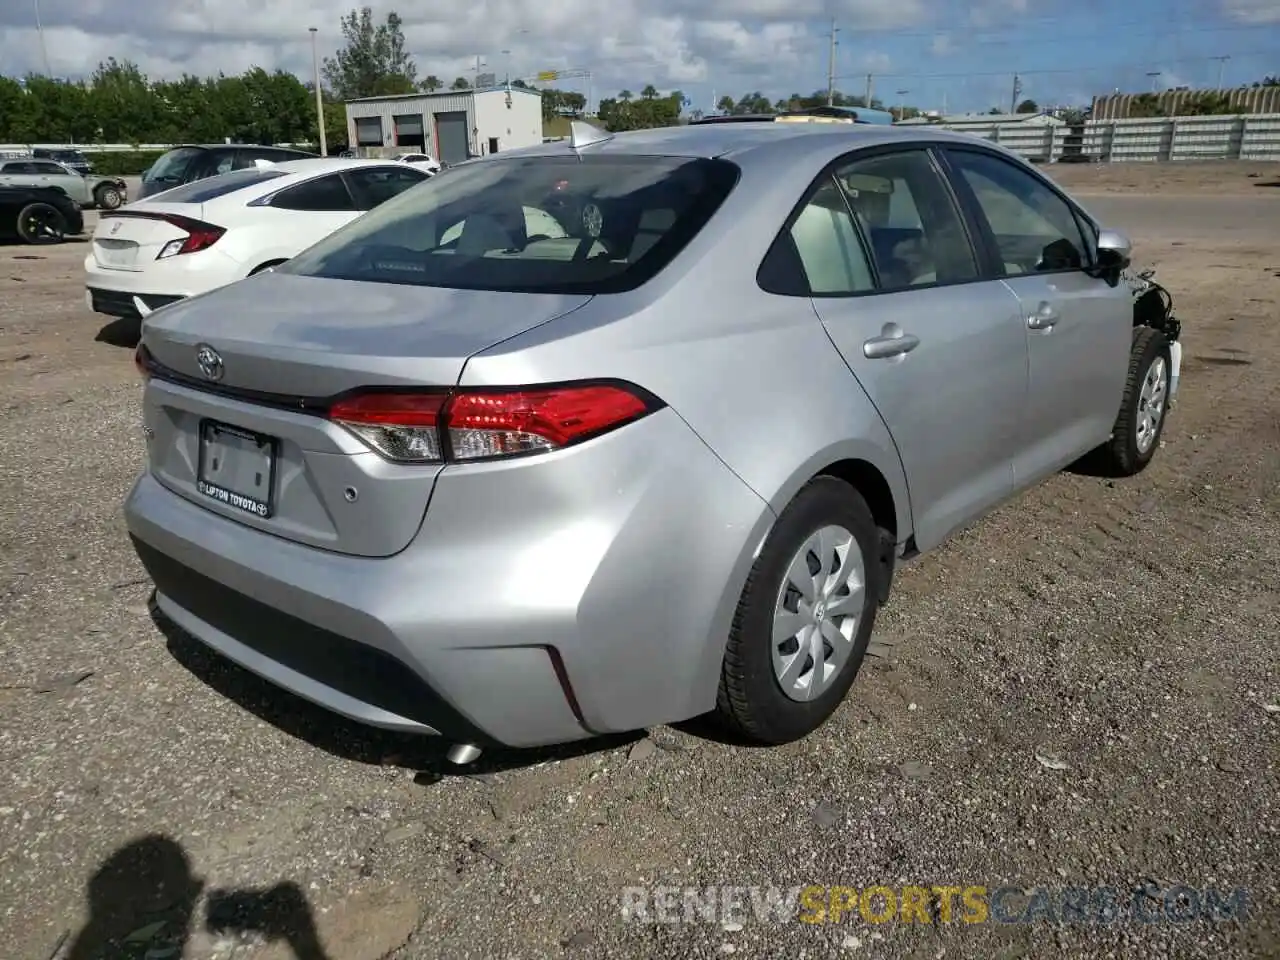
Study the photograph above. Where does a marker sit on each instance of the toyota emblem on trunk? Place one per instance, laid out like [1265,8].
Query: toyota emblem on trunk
[209,361]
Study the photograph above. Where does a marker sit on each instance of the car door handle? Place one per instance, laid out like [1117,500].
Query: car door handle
[1045,317]
[889,344]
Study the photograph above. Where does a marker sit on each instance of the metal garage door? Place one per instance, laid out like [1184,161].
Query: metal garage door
[451,136]
[409,131]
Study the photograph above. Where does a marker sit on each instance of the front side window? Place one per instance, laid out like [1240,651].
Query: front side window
[323,194]
[47,169]
[1034,228]
[905,211]
[172,167]
[604,224]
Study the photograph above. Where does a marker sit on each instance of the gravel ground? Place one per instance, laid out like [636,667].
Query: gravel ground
[1079,691]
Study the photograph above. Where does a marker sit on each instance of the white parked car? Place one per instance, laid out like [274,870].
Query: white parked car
[211,232]
[420,160]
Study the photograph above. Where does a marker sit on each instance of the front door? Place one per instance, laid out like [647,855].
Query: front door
[51,174]
[939,350]
[1078,327]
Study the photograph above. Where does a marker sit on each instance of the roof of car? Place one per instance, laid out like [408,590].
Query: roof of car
[732,139]
[237,146]
[329,164]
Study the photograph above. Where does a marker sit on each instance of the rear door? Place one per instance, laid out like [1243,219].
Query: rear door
[937,346]
[1078,327]
[309,212]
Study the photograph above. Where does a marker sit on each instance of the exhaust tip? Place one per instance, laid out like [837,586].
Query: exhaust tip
[463,753]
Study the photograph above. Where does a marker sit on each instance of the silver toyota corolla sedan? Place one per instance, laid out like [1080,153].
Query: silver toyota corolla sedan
[626,429]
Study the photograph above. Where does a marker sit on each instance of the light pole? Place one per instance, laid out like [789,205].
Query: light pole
[1155,80]
[506,63]
[315,71]
[1222,62]
[902,104]
[44,50]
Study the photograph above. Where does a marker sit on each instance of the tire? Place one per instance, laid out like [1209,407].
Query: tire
[41,223]
[751,701]
[1136,436]
[107,197]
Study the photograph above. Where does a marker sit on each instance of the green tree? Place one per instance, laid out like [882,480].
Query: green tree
[460,83]
[561,103]
[626,113]
[431,84]
[1028,106]
[373,61]
[122,103]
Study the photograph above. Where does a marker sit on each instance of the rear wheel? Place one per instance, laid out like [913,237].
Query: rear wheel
[41,223]
[805,617]
[107,197]
[1140,422]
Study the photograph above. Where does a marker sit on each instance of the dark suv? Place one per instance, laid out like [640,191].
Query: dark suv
[189,162]
[72,159]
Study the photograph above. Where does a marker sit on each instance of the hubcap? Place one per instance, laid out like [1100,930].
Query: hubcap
[1155,387]
[817,614]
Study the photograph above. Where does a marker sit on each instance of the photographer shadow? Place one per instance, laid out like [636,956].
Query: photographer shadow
[143,901]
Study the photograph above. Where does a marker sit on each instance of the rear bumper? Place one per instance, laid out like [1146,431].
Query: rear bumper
[119,303]
[541,602]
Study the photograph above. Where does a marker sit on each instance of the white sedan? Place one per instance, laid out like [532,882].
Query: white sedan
[421,160]
[203,235]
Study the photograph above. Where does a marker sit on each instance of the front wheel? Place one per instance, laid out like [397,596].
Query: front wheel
[1140,422]
[805,617]
[41,223]
[107,197]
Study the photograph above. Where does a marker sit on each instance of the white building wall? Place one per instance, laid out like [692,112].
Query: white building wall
[514,118]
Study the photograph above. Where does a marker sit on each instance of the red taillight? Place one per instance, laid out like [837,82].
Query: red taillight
[141,361]
[484,424]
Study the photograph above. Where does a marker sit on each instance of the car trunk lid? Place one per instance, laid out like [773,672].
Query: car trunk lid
[244,435]
[131,239]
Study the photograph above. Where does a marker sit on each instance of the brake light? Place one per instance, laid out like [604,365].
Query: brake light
[142,361]
[471,425]
[200,236]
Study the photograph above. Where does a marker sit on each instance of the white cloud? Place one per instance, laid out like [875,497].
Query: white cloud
[1252,11]
[942,45]
[750,44]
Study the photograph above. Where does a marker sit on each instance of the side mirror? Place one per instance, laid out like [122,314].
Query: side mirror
[1115,252]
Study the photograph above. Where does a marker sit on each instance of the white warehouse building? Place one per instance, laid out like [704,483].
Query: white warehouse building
[451,126]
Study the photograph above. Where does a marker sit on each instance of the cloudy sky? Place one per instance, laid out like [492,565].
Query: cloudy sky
[940,53]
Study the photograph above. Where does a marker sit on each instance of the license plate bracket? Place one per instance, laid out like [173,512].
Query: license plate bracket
[237,468]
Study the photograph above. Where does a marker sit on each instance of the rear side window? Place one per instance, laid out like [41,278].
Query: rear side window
[172,167]
[318,195]
[376,185]
[48,169]
[200,191]
[909,219]
[609,223]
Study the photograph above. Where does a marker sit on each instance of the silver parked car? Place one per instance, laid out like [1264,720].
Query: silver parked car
[105,193]
[626,429]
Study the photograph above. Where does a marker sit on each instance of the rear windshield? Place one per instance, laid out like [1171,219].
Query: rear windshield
[172,165]
[199,191]
[542,224]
